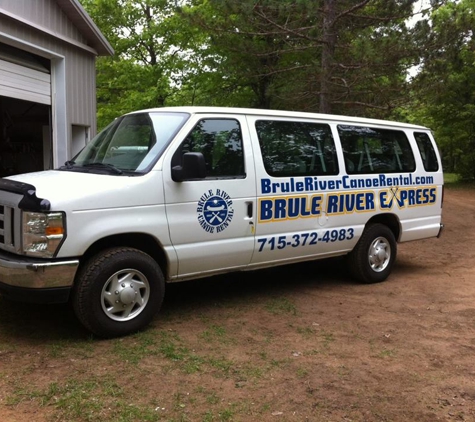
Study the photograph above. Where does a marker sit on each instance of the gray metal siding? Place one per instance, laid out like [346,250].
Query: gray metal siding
[45,13]
[80,67]
[81,88]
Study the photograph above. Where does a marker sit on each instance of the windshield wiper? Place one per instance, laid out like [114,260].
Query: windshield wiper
[69,165]
[108,166]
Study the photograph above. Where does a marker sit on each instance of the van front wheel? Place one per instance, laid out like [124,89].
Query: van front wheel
[372,258]
[118,291]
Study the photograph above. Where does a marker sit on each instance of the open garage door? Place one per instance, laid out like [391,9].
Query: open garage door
[23,83]
[25,112]
[24,76]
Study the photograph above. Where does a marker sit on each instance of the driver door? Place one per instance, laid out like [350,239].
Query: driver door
[211,219]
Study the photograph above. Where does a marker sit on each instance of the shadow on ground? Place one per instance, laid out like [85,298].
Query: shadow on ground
[44,323]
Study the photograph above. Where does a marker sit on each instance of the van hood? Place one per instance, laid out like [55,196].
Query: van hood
[71,191]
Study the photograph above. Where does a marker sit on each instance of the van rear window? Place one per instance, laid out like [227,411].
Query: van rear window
[426,149]
[297,148]
[372,150]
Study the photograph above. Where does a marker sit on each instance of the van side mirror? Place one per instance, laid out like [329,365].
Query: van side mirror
[193,167]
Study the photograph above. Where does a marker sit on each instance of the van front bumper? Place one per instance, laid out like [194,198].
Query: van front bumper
[29,280]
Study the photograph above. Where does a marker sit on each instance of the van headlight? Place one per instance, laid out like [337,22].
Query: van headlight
[43,233]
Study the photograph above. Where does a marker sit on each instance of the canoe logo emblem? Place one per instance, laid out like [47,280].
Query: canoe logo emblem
[215,211]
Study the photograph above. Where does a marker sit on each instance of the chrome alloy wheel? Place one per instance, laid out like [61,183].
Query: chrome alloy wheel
[125,295]
[379,254]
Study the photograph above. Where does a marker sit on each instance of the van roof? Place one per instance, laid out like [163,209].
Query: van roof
[282,113]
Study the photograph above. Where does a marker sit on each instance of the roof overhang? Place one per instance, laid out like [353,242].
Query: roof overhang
[80,18]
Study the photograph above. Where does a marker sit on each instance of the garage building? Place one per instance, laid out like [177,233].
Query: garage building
[48,50]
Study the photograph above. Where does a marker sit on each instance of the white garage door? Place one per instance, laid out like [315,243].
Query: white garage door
[24,83]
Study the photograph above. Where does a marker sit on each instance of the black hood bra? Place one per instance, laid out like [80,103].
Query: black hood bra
[29,202]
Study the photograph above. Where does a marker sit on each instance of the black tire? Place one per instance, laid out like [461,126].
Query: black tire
[372,259]
[118,292]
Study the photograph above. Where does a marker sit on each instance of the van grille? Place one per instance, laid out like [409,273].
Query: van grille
[6,226]
[8,234]
[2,226]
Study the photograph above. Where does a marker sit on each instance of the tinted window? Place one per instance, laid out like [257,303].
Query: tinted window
[426,149]
[297,148]
[371,150]
[220,142]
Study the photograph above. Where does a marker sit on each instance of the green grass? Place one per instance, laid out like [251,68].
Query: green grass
[91,399]
[215,333]
[327,338]
[453,181]
[81,349]
[306,332]
[134,348]
[451,178]
[281,306]
[386,353]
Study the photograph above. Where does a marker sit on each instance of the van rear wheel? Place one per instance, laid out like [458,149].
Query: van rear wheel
[372,258]
[118,292]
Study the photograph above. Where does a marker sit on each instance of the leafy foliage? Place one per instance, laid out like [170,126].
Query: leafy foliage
[444,90]
[310,55]
[314,55]
[342,57]
[142,34]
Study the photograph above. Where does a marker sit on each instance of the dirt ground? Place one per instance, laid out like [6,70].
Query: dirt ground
[295,343]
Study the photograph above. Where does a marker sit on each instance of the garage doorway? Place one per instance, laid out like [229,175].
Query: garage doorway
[25,136]
[25,112]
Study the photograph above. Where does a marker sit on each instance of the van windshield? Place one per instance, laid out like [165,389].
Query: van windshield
[130,144]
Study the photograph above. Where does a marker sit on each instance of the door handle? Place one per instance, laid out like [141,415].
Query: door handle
[249,210]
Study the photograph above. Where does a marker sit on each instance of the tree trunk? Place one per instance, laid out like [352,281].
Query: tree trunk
[328,52]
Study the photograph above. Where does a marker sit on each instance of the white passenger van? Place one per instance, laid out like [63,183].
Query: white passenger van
[172,194]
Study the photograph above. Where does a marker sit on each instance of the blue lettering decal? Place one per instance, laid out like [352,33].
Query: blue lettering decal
[308,184]
[316,204]
[332,204]
[350,202]
[345,182]
[384,202]
[369,198]
[293,207]
[280,208]
[304,211]
[265,209]
[265,186]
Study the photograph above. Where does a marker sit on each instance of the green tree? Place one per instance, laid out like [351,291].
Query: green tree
[444,89]
[139,75]
[316,55]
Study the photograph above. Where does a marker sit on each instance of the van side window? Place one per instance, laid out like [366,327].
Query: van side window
[371,150]
[426,149]
[297,148]
[220,142]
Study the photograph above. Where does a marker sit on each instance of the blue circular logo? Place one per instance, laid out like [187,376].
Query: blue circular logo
[215,211]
